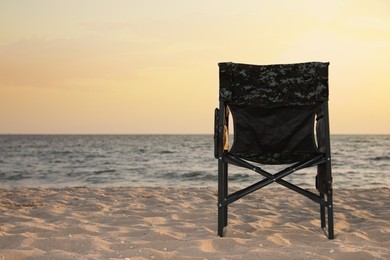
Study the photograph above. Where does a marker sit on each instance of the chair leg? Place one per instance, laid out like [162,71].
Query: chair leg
[327,216]
[222,216]
[324,186]
[220,221]
[222,194]
[225,176]
[330,217]
[322,212]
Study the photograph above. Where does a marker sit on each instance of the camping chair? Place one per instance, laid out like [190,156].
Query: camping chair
[280,116]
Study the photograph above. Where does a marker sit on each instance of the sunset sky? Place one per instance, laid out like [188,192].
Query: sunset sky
[150,67]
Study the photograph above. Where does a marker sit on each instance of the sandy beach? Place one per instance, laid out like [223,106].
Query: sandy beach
[180,223]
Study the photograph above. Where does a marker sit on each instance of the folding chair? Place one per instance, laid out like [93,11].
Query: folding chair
[280,116]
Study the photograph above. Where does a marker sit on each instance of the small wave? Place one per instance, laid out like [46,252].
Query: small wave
[381,158]
[199,176]
[192,175]
[188,176]
[166,152]
[239,177]
[16,177]
[62,152]
[96,180]
[104,171]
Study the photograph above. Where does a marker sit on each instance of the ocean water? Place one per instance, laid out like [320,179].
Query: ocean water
[57,161]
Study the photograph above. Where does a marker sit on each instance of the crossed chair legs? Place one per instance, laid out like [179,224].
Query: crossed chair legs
[324,186]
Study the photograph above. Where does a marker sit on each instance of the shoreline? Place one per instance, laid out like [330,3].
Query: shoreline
[180,223]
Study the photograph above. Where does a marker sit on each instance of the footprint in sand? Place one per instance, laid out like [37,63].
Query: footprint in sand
[207,246]
[155,220]
[278,239]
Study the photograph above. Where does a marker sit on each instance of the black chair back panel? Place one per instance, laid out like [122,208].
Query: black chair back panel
[275,135]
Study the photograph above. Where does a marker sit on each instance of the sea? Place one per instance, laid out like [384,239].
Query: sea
[61,161]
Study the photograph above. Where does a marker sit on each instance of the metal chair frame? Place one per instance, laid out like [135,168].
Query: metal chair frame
[322,161]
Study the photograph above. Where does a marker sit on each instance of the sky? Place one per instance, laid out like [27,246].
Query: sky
[150,66]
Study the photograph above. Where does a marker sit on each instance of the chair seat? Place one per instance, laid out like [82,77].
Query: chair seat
[276,158]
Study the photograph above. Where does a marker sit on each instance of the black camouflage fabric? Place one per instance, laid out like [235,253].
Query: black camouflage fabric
[274,85]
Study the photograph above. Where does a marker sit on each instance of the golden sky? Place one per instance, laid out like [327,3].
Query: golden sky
[149,67]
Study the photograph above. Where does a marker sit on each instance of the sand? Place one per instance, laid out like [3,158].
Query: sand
[180,223]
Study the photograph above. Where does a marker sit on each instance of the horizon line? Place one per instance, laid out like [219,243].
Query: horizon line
[163,134]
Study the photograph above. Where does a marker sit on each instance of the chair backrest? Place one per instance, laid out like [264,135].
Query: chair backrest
[274,109]
[273,85]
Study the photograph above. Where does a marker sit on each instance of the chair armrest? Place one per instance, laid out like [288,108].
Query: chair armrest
[217,138]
